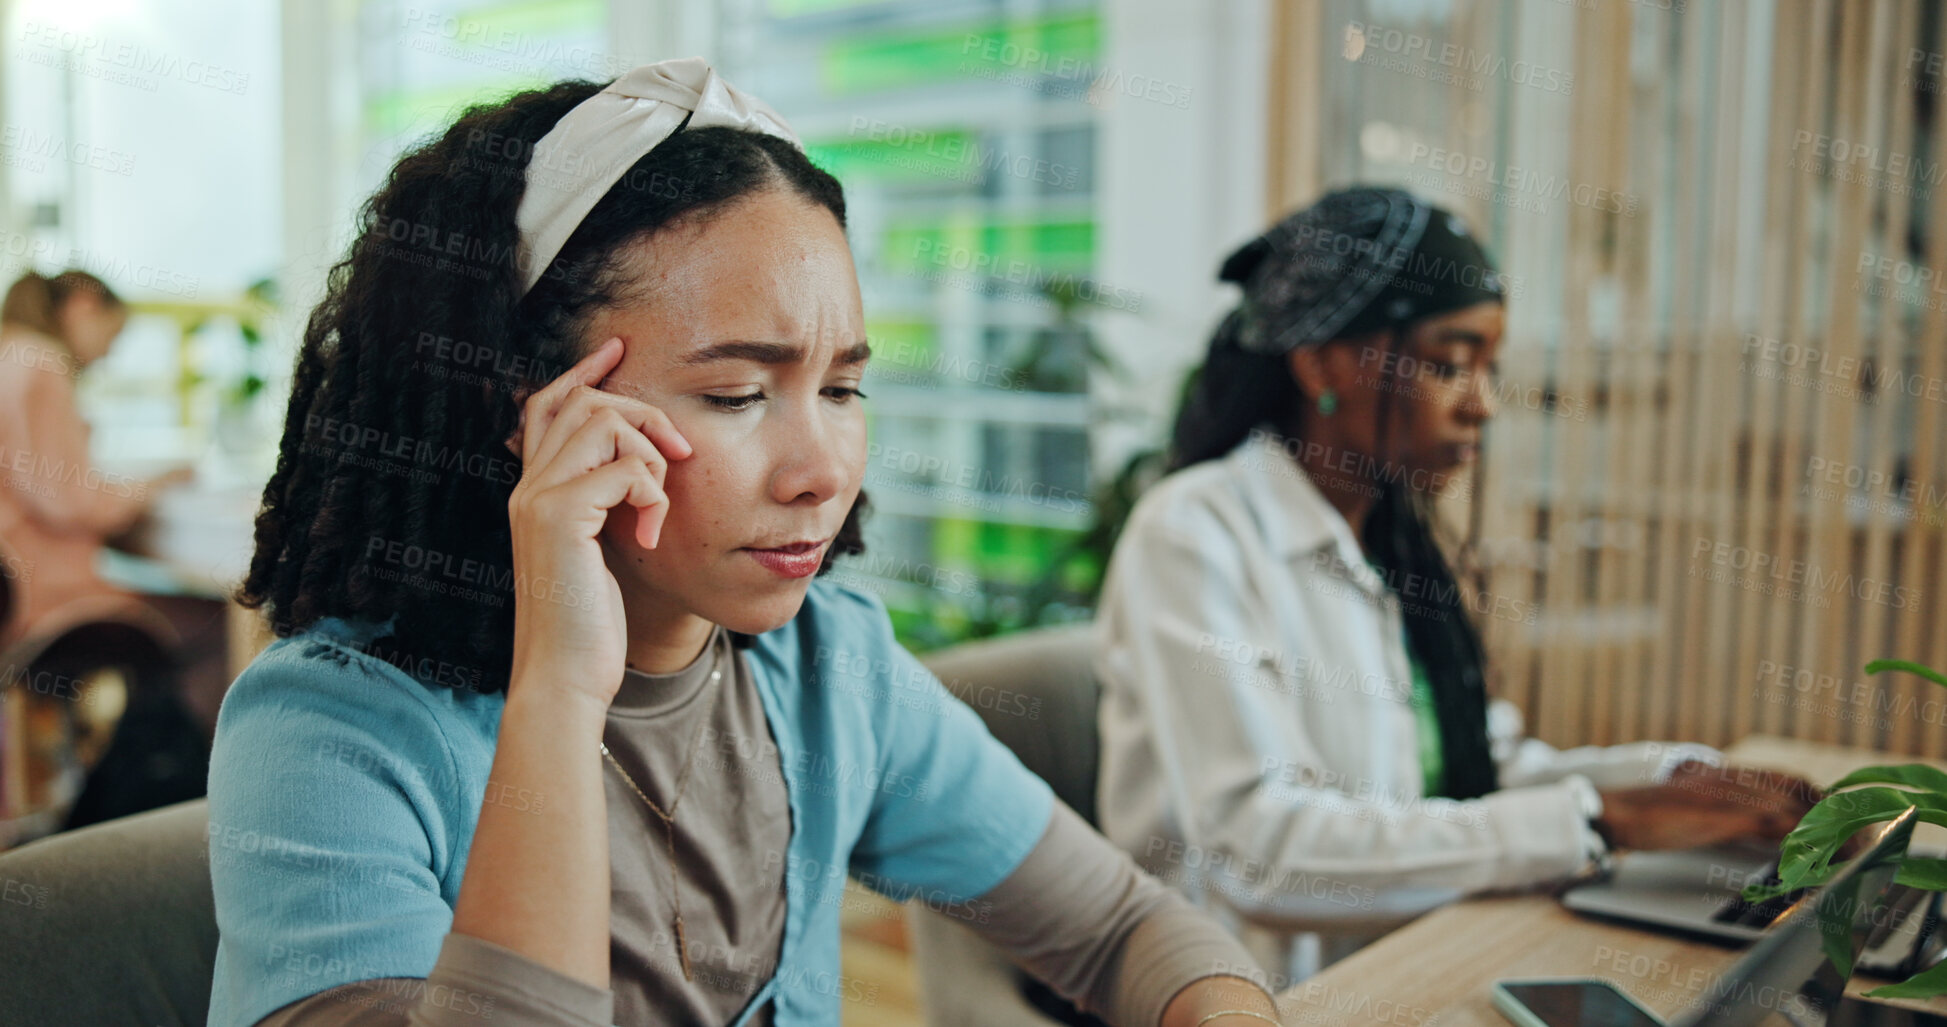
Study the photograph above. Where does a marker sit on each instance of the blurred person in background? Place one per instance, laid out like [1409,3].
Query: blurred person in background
[56,507]
[141,747]
[1295,722]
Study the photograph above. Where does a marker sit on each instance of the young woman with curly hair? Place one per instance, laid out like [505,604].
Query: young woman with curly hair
[560,728]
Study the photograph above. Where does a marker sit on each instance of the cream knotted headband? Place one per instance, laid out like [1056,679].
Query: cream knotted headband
[592,146]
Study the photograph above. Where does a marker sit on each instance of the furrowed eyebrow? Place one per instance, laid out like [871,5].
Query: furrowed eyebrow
[755,352]
[768,353]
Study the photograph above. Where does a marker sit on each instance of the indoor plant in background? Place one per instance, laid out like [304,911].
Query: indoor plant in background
[239,427]
[1057,357]
[1867,796]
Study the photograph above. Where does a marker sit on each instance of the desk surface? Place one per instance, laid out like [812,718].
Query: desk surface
[1438,969]
[199,538]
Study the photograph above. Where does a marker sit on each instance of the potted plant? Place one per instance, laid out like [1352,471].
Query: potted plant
[1867,796]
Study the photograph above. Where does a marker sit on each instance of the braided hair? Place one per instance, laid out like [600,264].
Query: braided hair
[388,502]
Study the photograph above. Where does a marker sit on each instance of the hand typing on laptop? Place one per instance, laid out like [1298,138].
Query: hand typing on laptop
[1705,805]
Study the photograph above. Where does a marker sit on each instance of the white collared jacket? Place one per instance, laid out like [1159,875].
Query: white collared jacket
[1259,747]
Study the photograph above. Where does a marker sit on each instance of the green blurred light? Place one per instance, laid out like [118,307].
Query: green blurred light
[1065,45]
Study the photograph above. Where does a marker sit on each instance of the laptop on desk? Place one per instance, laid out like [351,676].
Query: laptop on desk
[1699,893]
[1692,891]
[1786,972]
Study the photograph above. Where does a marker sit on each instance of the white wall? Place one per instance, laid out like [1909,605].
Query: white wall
[1180,188]
[153,125]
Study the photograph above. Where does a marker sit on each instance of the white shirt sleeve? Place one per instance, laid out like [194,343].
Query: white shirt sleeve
[1266,825]
[1527,761]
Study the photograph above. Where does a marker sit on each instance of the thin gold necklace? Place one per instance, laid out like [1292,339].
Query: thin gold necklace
[682,783]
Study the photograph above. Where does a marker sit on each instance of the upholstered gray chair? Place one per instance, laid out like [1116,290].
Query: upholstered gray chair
[110,924]
[1036,692]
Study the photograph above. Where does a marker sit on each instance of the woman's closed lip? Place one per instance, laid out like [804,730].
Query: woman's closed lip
[801,546]
[797,559]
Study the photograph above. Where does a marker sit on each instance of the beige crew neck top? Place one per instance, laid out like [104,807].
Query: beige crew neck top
[730,831]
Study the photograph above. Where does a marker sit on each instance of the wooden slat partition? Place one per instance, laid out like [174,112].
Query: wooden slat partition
[1885,344]
[1632,409]
[1709,658]
[1606,87]
[1766,488]
[1724,536]
[1673,488]
[1829,429]
[1566,668]
[1780,620]
[1918,631]
[1294,136]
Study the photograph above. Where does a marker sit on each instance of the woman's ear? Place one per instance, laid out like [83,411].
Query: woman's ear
[1311,371]
[1339,365]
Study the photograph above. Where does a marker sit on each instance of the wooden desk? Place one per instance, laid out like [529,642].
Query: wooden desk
[1437,970]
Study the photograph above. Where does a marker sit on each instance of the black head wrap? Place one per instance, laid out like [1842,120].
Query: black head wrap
[1356,261]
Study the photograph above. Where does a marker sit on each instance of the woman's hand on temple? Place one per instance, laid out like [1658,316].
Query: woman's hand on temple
[538,884]
[583,452]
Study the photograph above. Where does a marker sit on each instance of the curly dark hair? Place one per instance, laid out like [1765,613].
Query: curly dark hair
[390,494]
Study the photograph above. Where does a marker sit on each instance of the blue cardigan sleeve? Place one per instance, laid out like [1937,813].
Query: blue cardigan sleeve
[327,847]
[953,812]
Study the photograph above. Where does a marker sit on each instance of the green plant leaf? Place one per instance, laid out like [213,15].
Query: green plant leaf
[1880,666]
[1915,872]
[1924,873]
[1925,984]
[1912,775]
[1835,934]
[1840,906]
[1805,855]
[1755,893]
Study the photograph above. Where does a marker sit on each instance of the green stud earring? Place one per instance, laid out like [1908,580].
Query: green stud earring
[1328,401]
